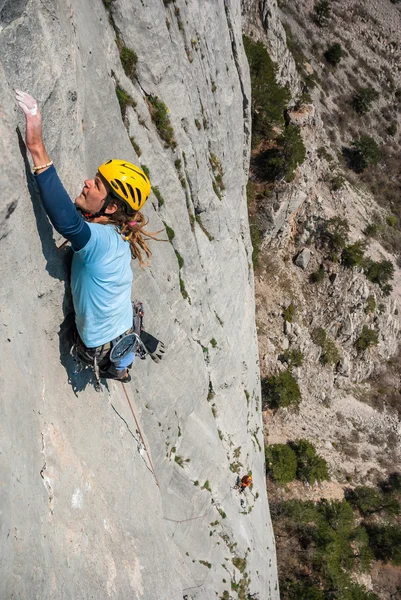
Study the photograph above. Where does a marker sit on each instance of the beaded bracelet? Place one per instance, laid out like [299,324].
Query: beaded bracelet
[42,166]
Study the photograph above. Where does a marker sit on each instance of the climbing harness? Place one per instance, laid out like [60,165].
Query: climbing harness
[103,359]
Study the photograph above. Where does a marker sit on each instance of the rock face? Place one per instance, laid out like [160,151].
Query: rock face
[82,514]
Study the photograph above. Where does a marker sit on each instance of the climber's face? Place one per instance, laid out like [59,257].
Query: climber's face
[93,195]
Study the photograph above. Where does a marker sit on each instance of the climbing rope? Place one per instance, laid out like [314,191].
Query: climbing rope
[140,435]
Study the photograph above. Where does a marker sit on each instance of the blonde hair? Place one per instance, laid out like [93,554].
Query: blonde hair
[131,227]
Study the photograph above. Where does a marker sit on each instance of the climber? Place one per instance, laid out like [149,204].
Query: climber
[106,229]
[245,482]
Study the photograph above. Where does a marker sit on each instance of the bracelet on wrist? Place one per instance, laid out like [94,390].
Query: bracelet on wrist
[34,169]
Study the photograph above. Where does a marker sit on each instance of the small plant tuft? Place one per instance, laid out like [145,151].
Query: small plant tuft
[125,100]
[160,117]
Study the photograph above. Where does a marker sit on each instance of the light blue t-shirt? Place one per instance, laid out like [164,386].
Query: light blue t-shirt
[101,280]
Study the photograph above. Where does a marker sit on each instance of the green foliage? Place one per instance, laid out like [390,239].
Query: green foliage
[319,336]
[370,304]
[353,255]
[372,229]
[170,232]
[392,129]
[293,357]
[337,183]
[145,169]
[392,484]
[317,276]
[180,260]
[332,544]
[330,354]
[125,100]
[311,467]
[129,61]
[213,343]
[322,13]
[380,272]
[365,151]
[370,501]
[206,486]
[183,290]
[218,184]
[391,220]
[279,391]
[303,591]
[281,463]
[368,337]
[289,313]
[363,98]
[158,195]
[205,231]
[160,117]
[179,460]
[385,541]
[239,563]
[334,54]
[135,146]
[333,234]
[269,99]
[280,161]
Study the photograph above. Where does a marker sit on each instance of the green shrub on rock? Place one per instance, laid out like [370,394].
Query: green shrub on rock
[370,501]
[380,272]
[281,463]
[322,13]
[269,98]
[281,161]
[293,358]
[385,541]
[353,255]
[364,152]
[368,337]
[279,391]
[317,276]
[311,467]
[363,99]
[334,54]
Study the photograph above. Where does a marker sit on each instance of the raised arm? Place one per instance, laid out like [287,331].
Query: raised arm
[57,203]
[33,136]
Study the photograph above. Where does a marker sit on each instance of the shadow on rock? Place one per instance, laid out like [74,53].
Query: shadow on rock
[58,265]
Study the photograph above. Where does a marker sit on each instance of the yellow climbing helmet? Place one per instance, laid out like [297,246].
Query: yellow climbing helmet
[128,183]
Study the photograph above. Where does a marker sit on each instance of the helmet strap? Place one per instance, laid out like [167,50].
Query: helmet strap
[100,213]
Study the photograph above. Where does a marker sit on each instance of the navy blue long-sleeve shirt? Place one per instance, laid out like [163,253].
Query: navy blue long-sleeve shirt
[61,210]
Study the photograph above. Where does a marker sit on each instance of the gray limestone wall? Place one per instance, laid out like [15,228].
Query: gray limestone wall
[81,513]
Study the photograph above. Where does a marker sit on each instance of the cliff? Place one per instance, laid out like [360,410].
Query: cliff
[82,514]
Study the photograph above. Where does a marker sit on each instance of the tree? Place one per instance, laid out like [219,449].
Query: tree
[281,463]
[380,272]
[333,54]
[281,161]
[363,98]
[385,541]
[353,255]
[322,13]
[369,501]
[280,390]
[269,98]
[364,152]
[368,337]
[311,467]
